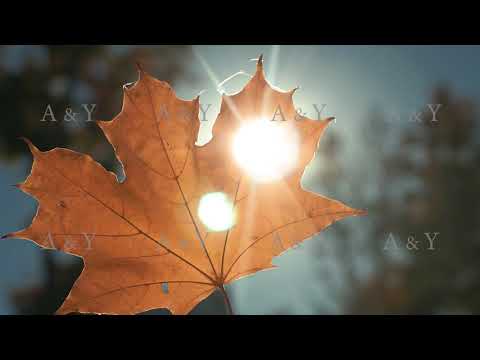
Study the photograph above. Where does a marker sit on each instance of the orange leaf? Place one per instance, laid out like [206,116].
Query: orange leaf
[146,232]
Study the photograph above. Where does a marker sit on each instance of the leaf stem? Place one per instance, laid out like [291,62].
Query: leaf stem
[227,299]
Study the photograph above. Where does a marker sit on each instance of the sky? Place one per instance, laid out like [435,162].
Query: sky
[350,80]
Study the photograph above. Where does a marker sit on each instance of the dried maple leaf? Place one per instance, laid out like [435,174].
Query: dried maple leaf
[145,231]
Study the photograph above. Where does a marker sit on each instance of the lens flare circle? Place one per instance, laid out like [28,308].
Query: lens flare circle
[215,210]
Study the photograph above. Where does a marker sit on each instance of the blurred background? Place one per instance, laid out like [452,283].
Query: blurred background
[405,146]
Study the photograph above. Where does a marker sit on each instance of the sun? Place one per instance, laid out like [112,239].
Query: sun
[266,150]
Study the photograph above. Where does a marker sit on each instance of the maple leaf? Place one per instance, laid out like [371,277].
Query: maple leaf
[139,235]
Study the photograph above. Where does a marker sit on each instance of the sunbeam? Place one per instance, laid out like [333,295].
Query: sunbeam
[273,67]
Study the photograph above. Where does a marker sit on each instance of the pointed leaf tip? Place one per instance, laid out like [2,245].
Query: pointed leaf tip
[260,61]
[139,66]
[361,212]
[140,69]
[32,147]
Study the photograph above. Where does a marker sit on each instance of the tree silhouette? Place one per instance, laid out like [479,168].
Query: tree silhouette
[421,186]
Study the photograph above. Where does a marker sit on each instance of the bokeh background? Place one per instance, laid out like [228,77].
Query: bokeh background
[415,174]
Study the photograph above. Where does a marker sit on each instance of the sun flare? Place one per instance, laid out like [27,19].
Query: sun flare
[266,150]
